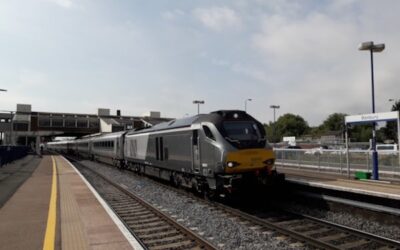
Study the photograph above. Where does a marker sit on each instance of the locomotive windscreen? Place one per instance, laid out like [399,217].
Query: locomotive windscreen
[243,134]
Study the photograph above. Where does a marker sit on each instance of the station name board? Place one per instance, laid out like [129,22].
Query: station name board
[374,117]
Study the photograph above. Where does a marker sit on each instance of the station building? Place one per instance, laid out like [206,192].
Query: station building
[30,128]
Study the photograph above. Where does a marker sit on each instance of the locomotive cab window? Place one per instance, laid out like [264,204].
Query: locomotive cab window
[242,130]
[208,132]
[243,134]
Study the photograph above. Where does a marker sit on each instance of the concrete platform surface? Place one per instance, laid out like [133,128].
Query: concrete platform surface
[55,208]
[339,182]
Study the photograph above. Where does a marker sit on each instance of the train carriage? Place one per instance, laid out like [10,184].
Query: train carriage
[216,152]
[64,147]
[83,147]
[108,148]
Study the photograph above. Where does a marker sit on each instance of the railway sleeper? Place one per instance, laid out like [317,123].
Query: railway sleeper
[142,217]
[151,230]
[165,241]
[301,228]
[143,221]
[354,244]
[124,203]
[128,211]
[317,231]
[129,208]
[332,237]
[141,213]
[177,245]
[160,234]
[289,222]
[141,224]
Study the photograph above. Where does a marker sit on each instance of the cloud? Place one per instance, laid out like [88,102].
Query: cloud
[172,14]
[315,38]
[250,71]
[63,3]
[217,18]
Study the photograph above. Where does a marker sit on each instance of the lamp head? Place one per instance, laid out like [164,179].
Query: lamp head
[371,46]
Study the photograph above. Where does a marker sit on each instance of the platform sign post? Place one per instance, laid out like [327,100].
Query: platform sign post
[347,153]
[398,134]
[374,118]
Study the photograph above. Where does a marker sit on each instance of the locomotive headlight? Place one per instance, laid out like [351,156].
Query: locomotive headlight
[232,164]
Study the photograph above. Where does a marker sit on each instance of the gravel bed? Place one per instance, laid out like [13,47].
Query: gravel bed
[348,219]
[224,232]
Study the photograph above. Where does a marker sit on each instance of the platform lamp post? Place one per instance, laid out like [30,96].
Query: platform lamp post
[274,107]
[245,103]
[198,102]
[11,122]
[371,47]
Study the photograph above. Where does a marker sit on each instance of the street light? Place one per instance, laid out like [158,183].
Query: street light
[198,102]
[373,48]
[3,90]
[245,103]
[274,107]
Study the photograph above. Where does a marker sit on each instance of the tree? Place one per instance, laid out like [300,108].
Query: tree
[334,122]
[289,125]
[391,127]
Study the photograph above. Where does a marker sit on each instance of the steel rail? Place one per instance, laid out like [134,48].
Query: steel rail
[201,243]
[291,233]
[304,238]
[363,234]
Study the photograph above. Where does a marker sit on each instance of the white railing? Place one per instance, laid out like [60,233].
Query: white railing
[336,160]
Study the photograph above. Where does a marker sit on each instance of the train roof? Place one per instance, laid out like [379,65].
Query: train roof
[177,123]
[188,121]
[109,135]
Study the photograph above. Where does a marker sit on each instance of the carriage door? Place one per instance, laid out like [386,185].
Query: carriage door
[195,152]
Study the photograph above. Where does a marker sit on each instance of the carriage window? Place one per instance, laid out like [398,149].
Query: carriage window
[208,133]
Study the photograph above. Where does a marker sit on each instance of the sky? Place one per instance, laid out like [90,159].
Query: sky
[139,56]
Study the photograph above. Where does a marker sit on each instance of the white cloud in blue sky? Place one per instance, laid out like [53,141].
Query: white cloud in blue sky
[218,18]
[77,56]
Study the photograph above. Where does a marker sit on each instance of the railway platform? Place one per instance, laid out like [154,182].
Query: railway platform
[314,178]
[55,208]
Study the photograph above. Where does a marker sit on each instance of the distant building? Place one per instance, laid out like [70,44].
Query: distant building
[27,127]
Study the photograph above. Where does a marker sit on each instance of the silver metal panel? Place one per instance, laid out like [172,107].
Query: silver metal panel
[136,146]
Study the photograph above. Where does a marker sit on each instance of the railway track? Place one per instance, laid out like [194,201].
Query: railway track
[153,229]
[306,230]
[312,231]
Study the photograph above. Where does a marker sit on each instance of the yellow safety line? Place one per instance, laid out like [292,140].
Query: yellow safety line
[50,236]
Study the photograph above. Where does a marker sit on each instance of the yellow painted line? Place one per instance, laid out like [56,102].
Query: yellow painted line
[50,236]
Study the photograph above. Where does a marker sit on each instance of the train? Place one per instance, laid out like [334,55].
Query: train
[212,153]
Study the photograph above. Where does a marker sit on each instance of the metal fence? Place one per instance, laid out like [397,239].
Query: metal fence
[12,153]
[336,160]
